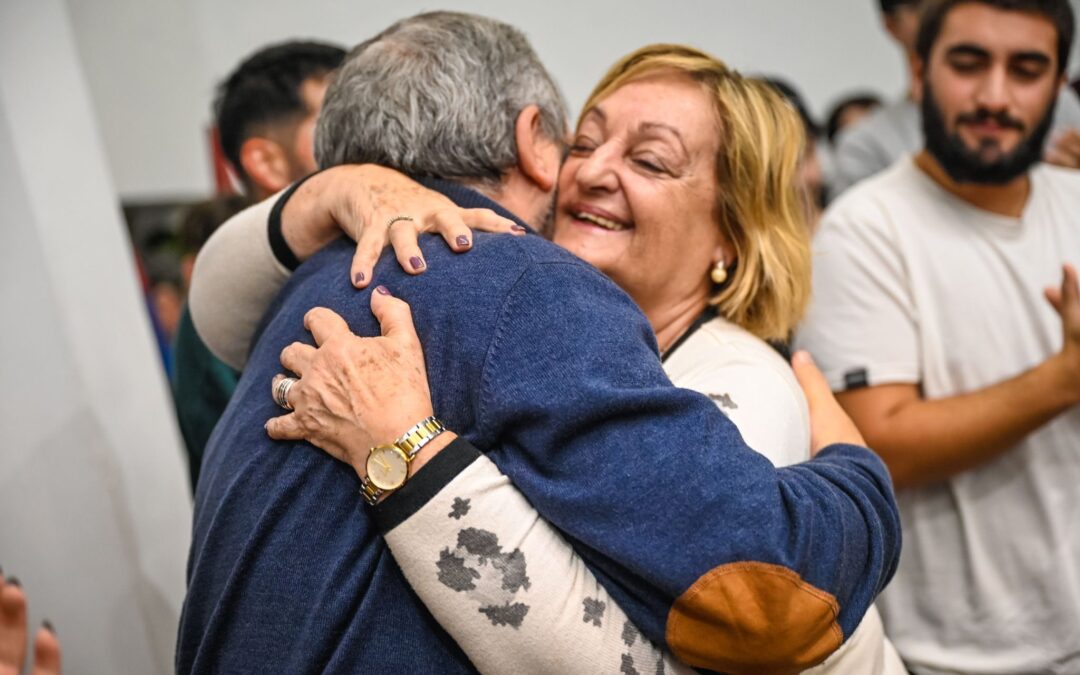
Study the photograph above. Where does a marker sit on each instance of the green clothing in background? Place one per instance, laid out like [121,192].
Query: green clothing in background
[202,386]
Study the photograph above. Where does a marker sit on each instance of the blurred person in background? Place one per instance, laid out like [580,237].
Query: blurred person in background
[929,321]
[14,635]
[848,111]
[265,114]
[810,179]
[202,384]
[266,111]
[894,131]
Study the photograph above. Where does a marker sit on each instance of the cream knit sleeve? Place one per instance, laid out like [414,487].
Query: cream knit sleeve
[236,278]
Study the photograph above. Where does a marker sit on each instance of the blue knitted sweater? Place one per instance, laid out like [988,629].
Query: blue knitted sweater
[540,360]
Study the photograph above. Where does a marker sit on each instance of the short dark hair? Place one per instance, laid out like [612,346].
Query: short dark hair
[265,89]
[862,100]
[1058,12]
[890,6]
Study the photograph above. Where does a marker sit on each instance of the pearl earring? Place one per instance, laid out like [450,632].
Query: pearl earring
[718,273]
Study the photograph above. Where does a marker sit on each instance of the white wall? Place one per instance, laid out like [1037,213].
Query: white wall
[95,516]
[152,64]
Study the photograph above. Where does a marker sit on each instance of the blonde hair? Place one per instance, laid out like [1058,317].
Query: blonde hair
[759,207]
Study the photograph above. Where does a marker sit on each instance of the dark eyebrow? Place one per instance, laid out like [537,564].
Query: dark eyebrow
[966,49]
[651,126]
[1034,58]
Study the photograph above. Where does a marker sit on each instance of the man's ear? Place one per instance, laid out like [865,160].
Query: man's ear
[265,164]
[538,155]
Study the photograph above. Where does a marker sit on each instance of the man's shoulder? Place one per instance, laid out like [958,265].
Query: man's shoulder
[1058,179]
[872,200]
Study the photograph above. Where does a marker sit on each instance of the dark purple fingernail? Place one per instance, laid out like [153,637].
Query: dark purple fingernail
[14,581]
[518,228]
[47,625]
[382,290]
[359,278]
[416,262]
[462,240]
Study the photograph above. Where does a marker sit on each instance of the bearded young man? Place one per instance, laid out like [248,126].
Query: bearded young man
[929,322]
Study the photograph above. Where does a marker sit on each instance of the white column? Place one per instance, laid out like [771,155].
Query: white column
[94,507]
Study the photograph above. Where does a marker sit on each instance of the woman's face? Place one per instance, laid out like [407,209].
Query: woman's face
[638,191]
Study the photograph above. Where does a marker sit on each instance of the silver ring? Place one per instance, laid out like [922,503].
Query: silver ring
[281,392]
[395,219]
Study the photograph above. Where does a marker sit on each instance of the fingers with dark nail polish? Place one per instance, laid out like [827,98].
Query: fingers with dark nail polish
[14,581]
[462,240]
[359,278]
[416,262]
[47,625]
[383,290]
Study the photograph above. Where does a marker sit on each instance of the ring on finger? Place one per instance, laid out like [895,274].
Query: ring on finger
[396,219]
[281,392]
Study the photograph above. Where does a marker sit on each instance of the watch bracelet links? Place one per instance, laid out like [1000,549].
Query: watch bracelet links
[411,443]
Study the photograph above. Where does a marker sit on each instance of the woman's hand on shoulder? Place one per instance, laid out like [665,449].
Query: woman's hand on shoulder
[375,206]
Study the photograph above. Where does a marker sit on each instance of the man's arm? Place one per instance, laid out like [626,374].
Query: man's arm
[731,563]
[924,441]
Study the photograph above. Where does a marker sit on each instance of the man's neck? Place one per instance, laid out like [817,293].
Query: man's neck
[1006,200]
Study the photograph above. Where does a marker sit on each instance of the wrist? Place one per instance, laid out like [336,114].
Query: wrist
[1065,367]
[307,222]
[386,468]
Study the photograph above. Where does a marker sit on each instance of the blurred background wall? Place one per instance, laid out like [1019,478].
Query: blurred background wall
[151,64]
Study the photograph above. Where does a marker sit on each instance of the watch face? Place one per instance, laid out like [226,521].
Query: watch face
[387,467]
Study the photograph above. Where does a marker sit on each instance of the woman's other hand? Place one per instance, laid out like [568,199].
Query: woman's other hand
[355,393]
[374,206]
[13,634]
[829,423]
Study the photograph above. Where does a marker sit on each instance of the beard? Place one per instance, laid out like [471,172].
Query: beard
[985,165]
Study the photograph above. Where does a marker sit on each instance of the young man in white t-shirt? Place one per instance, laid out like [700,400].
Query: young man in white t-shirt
[927,317]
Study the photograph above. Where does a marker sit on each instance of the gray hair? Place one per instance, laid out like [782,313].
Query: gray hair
[437,94]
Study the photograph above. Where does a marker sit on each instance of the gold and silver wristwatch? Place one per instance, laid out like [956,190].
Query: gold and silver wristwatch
[388,465]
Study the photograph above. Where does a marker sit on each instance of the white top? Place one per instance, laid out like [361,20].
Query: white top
[912,285]
[895,130]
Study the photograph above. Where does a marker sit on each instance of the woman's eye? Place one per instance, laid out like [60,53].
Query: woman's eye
[649,165]
[580,148]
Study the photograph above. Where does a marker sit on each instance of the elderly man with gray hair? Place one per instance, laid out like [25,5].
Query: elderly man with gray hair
[288,569]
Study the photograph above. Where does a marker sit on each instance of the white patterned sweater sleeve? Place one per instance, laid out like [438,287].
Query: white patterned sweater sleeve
[510,590]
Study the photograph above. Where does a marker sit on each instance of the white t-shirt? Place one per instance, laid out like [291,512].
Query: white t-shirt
[912,285]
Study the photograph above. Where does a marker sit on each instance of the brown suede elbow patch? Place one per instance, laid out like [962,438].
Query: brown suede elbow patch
[751,617]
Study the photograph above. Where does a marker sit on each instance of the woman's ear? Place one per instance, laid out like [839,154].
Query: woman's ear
[265,164]
[538,155]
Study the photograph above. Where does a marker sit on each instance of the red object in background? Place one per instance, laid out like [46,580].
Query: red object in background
[223,179]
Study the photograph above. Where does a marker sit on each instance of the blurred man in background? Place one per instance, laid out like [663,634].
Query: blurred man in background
[265,113]
[928,319]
